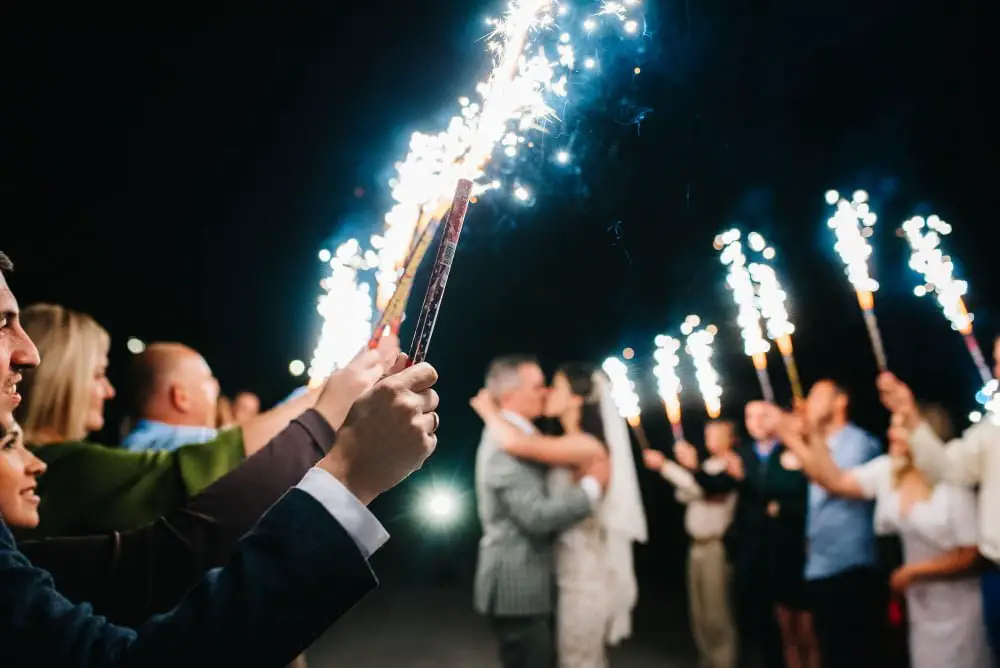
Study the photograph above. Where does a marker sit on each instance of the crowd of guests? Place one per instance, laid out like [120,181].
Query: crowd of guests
[202,542]
[784,560]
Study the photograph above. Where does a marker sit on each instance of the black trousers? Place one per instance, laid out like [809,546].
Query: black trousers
[849,614]
[525,642]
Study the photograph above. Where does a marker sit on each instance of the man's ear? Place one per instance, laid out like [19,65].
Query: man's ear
[179,398]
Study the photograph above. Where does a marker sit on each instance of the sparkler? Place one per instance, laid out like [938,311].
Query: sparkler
[625,398]
[853,222]
[439,276]
[667,383]
[346,309]
[748,316]
[771,300]
[938,271]
[699,347]
[514,101]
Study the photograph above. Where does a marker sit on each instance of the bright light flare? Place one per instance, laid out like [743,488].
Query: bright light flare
[937,269]
[440,506]
[699,348]
[135,346]
[296,368]
[622,389]
[739,281]
[771,299]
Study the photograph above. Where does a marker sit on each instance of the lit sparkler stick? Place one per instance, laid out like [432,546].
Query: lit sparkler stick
[853,223]
[346,309]
[938,271]
[748,315]
[667,383]
[625,398]
[699,348]
[439,275]
[392,316]
[771,299]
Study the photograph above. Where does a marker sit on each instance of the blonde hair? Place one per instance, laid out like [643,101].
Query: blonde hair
[57,393]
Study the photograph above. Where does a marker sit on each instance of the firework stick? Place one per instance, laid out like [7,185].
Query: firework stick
[674,416]
[788,357]
[978,357]
[640,433]
[392,316]
[867,302]
[439,276]
[760,364]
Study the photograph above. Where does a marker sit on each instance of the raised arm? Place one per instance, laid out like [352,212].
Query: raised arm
[573,450]
[133,575]
[524,496]
[959,462]
[817,463]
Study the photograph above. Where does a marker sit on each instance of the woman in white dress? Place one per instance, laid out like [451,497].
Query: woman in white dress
[594,570]
[938,528]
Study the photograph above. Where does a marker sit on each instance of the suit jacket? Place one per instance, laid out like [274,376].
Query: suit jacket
[130,576]
[514,573]
[289,579]
[744,536]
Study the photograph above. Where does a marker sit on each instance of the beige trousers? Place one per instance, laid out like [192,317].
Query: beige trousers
[712,622]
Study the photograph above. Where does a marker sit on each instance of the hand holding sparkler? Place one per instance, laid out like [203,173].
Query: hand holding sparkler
[699,347]
[853,222]
[667,382]
[748,316]
[625,398]
[938,272]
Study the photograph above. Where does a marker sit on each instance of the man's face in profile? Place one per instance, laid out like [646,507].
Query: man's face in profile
[17,353]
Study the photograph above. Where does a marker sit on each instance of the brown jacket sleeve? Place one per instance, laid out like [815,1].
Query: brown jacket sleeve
[130,576]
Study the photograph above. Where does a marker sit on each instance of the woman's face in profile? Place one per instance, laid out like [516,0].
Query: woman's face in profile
[101,390]
[898,437]
[19,471]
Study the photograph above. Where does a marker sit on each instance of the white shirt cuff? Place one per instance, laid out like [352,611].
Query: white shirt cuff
[592,489]
[367,532]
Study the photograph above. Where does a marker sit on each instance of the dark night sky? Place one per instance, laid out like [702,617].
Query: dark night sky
[174,175]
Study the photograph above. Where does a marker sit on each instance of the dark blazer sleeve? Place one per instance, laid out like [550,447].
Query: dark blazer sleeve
[288,580]
[129,576]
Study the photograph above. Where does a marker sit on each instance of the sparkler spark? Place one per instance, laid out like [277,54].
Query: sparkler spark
[740,282]
[668,384]
[699,347]
[853,222]
[514,101]
[346,309]
[622,390]
[937,269]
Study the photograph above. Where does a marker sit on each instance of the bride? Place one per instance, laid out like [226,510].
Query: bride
[594,568]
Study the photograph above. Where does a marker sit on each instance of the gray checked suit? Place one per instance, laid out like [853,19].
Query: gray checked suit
[514,576]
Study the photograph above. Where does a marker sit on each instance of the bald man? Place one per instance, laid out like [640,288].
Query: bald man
[175,398]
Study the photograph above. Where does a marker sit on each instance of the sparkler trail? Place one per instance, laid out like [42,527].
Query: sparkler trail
[667,383]
[853,222]
[771,298]
[938,272]
[699,347]
[514,102]
[625,397]
[748,317]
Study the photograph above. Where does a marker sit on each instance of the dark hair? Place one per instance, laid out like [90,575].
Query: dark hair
[581,383]
[6,266]
[723,422]
[937,417]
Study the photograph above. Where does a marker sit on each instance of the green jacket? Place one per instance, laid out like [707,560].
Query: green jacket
[91,488]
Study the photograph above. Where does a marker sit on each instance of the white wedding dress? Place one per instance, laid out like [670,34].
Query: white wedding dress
[595,575]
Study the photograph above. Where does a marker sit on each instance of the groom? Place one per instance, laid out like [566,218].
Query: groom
[514,577]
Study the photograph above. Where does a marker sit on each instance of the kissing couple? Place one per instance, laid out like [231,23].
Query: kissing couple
[559,515]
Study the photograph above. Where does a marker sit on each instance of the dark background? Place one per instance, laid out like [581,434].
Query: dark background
[174,172]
